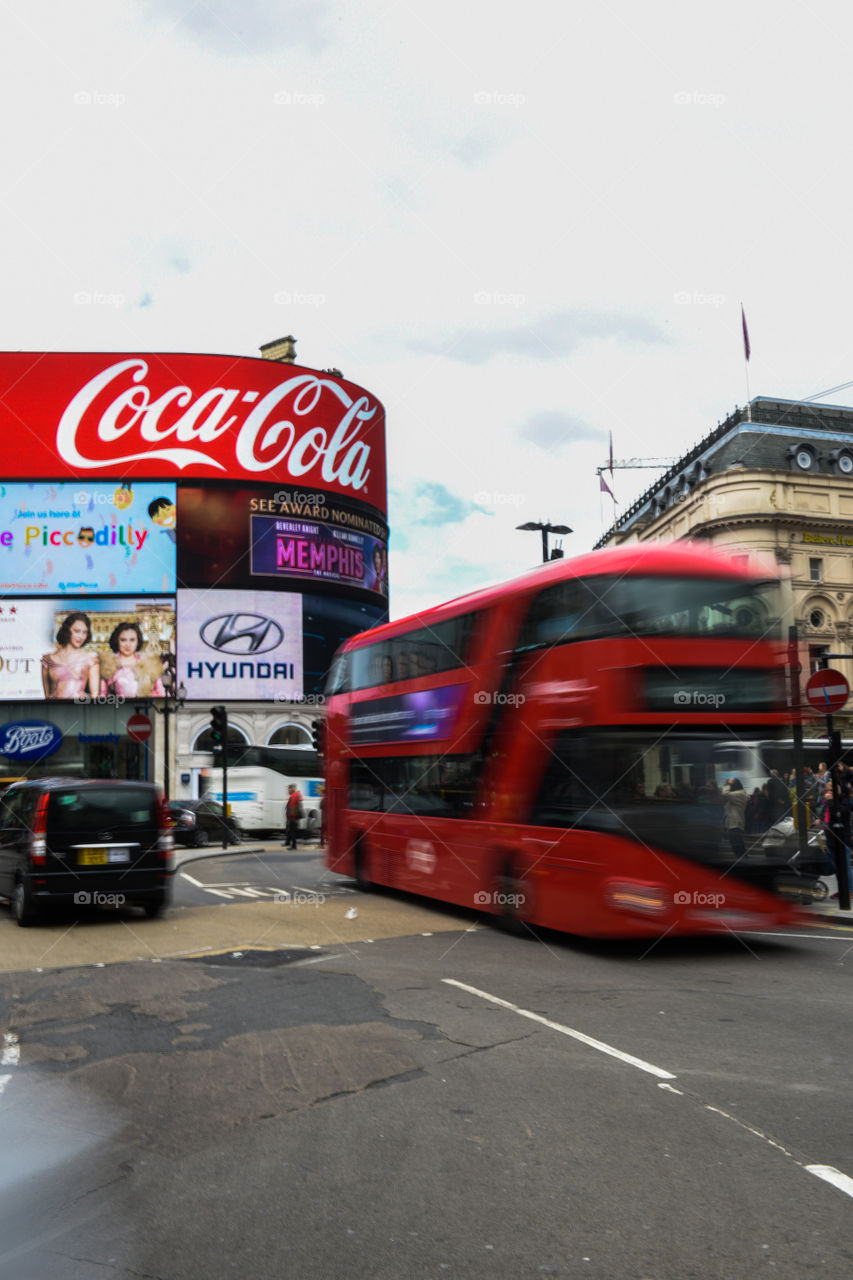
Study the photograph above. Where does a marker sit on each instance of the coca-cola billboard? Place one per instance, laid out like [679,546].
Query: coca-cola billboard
[77,415]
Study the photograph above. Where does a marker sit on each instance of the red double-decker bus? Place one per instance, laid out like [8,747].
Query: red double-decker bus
[556,749]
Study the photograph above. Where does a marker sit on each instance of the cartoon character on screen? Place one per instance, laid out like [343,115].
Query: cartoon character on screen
[72,670]
[163,513]
[127,672]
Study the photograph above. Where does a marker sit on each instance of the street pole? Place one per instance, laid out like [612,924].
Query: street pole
[166,741]
[838,844]
[794,670]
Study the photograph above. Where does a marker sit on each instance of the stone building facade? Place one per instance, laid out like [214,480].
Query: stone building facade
[774,485]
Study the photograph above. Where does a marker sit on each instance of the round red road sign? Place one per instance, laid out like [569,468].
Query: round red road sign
[827,691]
[139,728]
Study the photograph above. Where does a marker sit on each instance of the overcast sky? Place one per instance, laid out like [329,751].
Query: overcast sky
[521,226]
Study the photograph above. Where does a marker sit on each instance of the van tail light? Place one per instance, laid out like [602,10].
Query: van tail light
[165,839]
[38,833]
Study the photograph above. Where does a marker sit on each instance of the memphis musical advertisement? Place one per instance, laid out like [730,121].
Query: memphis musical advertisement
[82,538]
[269,537]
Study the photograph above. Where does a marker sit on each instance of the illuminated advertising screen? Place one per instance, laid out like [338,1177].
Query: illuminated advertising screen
[178,416]
[408,717]
[242,645]
[262,538]
[80,538]
[112,649]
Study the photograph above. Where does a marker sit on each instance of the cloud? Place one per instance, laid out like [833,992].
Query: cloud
[550,338]
[238,27]
[551,429]
[432,504]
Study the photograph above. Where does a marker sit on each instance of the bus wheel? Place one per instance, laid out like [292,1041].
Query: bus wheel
[361,881]
[513,900]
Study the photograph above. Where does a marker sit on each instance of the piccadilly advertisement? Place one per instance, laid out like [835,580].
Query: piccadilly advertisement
[75,538]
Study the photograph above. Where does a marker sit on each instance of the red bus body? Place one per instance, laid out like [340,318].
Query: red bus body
[517,778]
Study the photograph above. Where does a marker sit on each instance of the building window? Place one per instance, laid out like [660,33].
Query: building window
[816,570]
[204,742]
[817,619]
[289,735]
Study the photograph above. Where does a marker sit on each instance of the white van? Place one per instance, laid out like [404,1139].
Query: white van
[257,796]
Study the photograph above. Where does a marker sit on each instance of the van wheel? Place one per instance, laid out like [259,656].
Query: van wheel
[361,881]
[155,908]
[22,904]
[201,838]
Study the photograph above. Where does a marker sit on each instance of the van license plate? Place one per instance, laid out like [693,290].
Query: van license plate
[102,857]
[92,857]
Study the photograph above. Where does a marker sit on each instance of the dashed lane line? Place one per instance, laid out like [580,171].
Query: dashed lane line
[826,1172]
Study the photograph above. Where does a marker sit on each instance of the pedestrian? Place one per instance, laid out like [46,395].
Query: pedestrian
[734,814]
[777,794]
[293,815]
[756,812]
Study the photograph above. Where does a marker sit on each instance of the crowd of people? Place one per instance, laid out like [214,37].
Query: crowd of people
[777,798]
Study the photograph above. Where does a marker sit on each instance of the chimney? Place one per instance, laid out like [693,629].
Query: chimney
[282,349]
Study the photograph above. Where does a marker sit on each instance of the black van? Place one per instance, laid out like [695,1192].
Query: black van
[90,843]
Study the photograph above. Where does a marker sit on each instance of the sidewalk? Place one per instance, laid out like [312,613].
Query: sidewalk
[827,908]
[185,854]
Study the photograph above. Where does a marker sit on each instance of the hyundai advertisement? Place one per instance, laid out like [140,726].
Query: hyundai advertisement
[243,645]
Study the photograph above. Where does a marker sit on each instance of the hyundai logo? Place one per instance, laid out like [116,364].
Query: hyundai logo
[241,633]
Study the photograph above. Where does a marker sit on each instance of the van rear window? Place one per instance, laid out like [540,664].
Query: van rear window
[102,807]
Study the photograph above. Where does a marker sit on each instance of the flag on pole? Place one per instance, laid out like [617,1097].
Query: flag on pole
[746,348]
[604,486]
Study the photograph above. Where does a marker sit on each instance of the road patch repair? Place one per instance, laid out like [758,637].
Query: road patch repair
[112,937]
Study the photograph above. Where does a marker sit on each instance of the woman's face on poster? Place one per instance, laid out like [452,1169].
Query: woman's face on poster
[128,642]
[79,633]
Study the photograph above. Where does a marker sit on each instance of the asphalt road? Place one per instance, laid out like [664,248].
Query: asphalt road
[443,1100]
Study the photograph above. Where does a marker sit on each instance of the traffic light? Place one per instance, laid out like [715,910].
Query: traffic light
[218,726]
[317,735]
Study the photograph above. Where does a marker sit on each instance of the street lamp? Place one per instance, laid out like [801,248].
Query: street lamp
[546,529]
[173,700]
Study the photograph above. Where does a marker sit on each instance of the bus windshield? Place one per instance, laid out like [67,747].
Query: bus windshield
[610,605]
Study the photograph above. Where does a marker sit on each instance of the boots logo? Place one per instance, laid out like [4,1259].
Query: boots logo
[241,633]
[29,739]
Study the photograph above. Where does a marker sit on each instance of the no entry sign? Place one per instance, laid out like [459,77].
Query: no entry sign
[827,691]
[139,728]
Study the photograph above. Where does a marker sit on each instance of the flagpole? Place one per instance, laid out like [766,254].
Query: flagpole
[746,355]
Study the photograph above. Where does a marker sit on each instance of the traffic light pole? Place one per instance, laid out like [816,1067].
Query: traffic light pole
[225,794]
[219,734]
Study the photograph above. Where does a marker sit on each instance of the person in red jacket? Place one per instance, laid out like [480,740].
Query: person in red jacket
[293,814]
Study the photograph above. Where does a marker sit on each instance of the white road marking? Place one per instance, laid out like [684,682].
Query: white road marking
[566,1031]
[819,937]
[826,1172]
[10,1056]
[833,1176]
